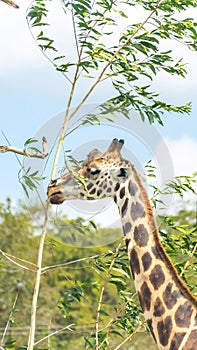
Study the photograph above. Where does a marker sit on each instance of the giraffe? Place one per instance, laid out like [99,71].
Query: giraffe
[169,308]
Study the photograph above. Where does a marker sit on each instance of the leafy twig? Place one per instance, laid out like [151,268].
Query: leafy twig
[32,154]
[67,116]
[188,261]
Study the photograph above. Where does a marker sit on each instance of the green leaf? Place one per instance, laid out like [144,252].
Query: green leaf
[29,141]
[103,312]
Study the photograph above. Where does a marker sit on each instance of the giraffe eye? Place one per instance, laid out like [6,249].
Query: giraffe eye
[94,171]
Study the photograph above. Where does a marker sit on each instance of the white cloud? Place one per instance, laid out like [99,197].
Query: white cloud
[183,161]
[183,152]
[17,44]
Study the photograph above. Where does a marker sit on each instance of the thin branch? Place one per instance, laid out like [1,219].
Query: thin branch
[54,333]
[111,60]
[129,336]
[12,257]
[52,267]
[8,322]
[35,40]
[17,158]
[11,3]
[37,282]
[32,154]
[75,33]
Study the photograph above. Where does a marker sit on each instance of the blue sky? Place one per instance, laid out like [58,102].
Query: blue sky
[32,92]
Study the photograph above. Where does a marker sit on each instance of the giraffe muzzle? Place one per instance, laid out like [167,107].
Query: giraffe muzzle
[56,197]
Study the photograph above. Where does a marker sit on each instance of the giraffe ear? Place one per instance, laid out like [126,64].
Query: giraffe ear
[121,174]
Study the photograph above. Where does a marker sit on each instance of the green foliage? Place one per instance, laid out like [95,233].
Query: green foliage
[29,180]
[182,184]
[91,289]
[72,286]
[131,60]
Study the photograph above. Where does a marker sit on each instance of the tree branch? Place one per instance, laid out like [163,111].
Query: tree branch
[12,258]
[32,154]
[11,3]
[37,283]
[56,332]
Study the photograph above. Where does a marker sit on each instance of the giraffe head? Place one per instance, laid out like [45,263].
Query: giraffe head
[99,176]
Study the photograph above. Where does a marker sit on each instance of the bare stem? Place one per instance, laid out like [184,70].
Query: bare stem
[129,337]
[11,3]
[37,283]
[53,267]
[13,259]
[54,333]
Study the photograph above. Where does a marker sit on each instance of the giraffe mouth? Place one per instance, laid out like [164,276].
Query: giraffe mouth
[56,198]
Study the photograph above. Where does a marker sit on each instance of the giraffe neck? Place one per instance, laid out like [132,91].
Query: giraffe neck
[168,306]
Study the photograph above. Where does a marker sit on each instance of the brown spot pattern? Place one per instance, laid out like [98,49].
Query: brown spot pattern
[176,341]
[157,277]
[99,192]
[156,252]
[117,186]
[132,188]
[124,207]
[127,244]
[150,325]
[93,191]
[135,265]
[183,315]
[145,297]
[159,309]
[137,211]
[127,228]
[169,297]
[122,192]
[89,186]
[191,341]
[164,329]
[141,235]
[146,261]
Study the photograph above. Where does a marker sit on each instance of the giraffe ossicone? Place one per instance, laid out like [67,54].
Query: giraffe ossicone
[169,308]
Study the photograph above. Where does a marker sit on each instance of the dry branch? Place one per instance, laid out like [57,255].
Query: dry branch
[11,3]
[32,154]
